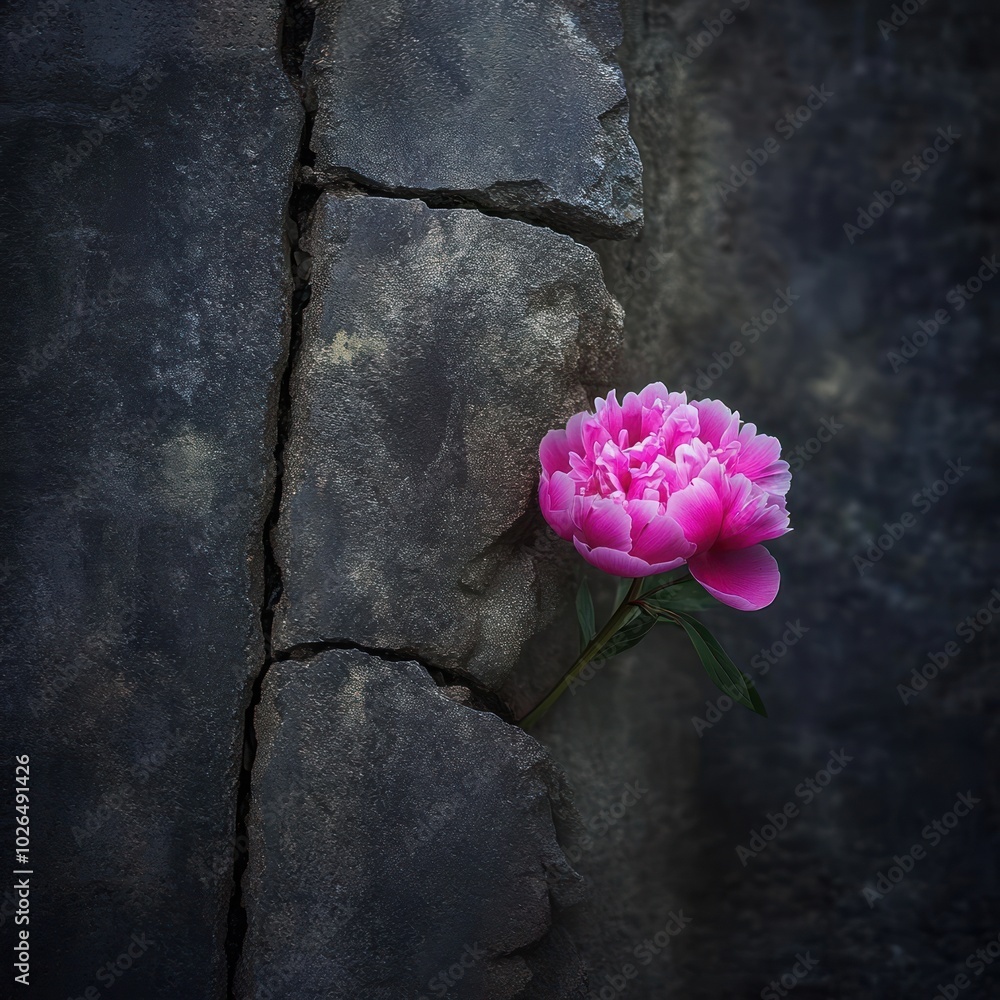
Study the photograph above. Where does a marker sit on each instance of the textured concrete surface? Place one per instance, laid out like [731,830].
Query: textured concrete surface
[516,107]
[403,845]
[143,319]
[439,347]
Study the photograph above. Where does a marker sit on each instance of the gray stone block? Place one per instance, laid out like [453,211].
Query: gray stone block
[514,107]
[439,347]
[401,844]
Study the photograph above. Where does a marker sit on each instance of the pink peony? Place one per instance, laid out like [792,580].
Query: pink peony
[647,485]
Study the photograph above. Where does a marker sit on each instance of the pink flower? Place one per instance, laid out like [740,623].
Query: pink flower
[644,486]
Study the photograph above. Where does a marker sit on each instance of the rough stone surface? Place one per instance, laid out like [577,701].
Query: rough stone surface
[516,107]
[143,332]
[705,266]
[439,347]
[397,835]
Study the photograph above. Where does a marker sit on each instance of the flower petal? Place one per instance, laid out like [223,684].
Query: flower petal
[609,414]
[763,524]
[657,391]
[555,498]
[602,523]
[574,431]
[718,425]
[745,579]
[775,480]
[619,563]
[656,536]
[757,452]
[632,417]
[698,510]
[553,452]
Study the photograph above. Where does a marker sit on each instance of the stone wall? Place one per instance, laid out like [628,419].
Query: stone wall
[146,333]
[293,292]
[299,290]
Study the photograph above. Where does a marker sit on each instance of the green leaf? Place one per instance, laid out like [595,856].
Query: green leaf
[632,631]
[585,614]
[724,673]
[688,595]
[623,585]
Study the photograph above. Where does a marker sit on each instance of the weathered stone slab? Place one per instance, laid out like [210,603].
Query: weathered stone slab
[518,107]
[439,347]
[401,844]
[147,154]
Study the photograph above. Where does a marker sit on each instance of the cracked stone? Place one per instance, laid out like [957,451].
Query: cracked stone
[145,332]
[439,347]
[401,844]
[518,108]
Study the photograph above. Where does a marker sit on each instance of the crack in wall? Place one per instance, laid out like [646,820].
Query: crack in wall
[296,31]
[344,183]
[482,699]
[308,185]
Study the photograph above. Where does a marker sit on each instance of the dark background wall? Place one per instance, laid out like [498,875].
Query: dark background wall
[708,262]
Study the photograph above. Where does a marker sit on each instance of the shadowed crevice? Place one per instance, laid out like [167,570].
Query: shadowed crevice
[480,698]
[554,216]
[296,32]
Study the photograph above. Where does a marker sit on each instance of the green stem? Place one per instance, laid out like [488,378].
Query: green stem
[666,586]
[590,651]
